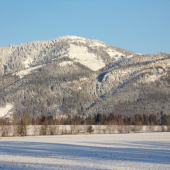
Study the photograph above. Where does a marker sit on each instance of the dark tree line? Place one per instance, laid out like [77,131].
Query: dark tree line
[104,119]
[98,119]
[136,119]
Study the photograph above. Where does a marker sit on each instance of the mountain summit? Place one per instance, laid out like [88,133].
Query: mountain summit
[74,75]
[90,53]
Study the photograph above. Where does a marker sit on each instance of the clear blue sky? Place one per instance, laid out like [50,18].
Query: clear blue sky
[142,26]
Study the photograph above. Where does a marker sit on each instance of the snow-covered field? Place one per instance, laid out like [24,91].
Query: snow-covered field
[103,151]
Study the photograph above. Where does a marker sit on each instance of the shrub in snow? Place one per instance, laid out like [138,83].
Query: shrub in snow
[163,129]
[36,130]
[168,128]
[127,129]
[120,129]
[90,129]
[43,130]
[52,130]
[5,130]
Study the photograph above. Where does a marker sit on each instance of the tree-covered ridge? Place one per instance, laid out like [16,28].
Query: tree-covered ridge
[57,79]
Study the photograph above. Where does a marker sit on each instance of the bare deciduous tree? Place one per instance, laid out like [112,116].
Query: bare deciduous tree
[24,122]
[5,130]
[14,123]
[52,130]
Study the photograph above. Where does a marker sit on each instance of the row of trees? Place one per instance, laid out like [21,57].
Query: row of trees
[50,126]
[98,119]
[112,119]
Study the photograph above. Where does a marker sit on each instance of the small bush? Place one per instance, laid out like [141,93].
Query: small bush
[36,130]
[43,130]
[120,129]
[127,129]
[104,130]
[22,130]
[98,129]
[162,129]
[136,128]
[90,129]
[110,129]
[52,130]
[5,130]
[74,129]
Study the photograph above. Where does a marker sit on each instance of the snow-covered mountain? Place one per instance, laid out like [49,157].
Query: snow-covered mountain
[91,53]
[74,75]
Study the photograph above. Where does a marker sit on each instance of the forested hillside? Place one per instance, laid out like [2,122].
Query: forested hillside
[77,76]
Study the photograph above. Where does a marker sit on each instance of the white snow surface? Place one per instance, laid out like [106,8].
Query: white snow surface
[152,78]
[27,62]
[114,54]
[58,107]
[5,111]
[72,37]
[23,73]
[104,151]
[83,40]
[65,63]
[129,56]
[117,55]
[97,44]
[81,55]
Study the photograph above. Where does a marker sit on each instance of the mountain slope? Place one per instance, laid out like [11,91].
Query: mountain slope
[74,75]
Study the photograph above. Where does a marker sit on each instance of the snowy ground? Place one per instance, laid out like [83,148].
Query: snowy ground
[109,151]
[23,73]
[81,55]
[5,112]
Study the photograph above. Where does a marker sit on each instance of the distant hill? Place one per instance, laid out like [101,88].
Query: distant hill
[74,75]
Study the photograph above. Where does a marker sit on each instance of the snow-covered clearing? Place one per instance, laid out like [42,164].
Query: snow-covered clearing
[97,44]
[114,54]
[27,62]
[109,151]
[81,55]
[6,111]
[92,43]
[23,73]
[65,63]
[117,55]
[152,78]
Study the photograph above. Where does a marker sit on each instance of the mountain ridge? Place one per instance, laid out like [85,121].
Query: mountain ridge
[32,52]
[74,75]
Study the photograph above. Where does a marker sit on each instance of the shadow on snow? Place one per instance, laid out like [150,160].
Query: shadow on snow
[146,152]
